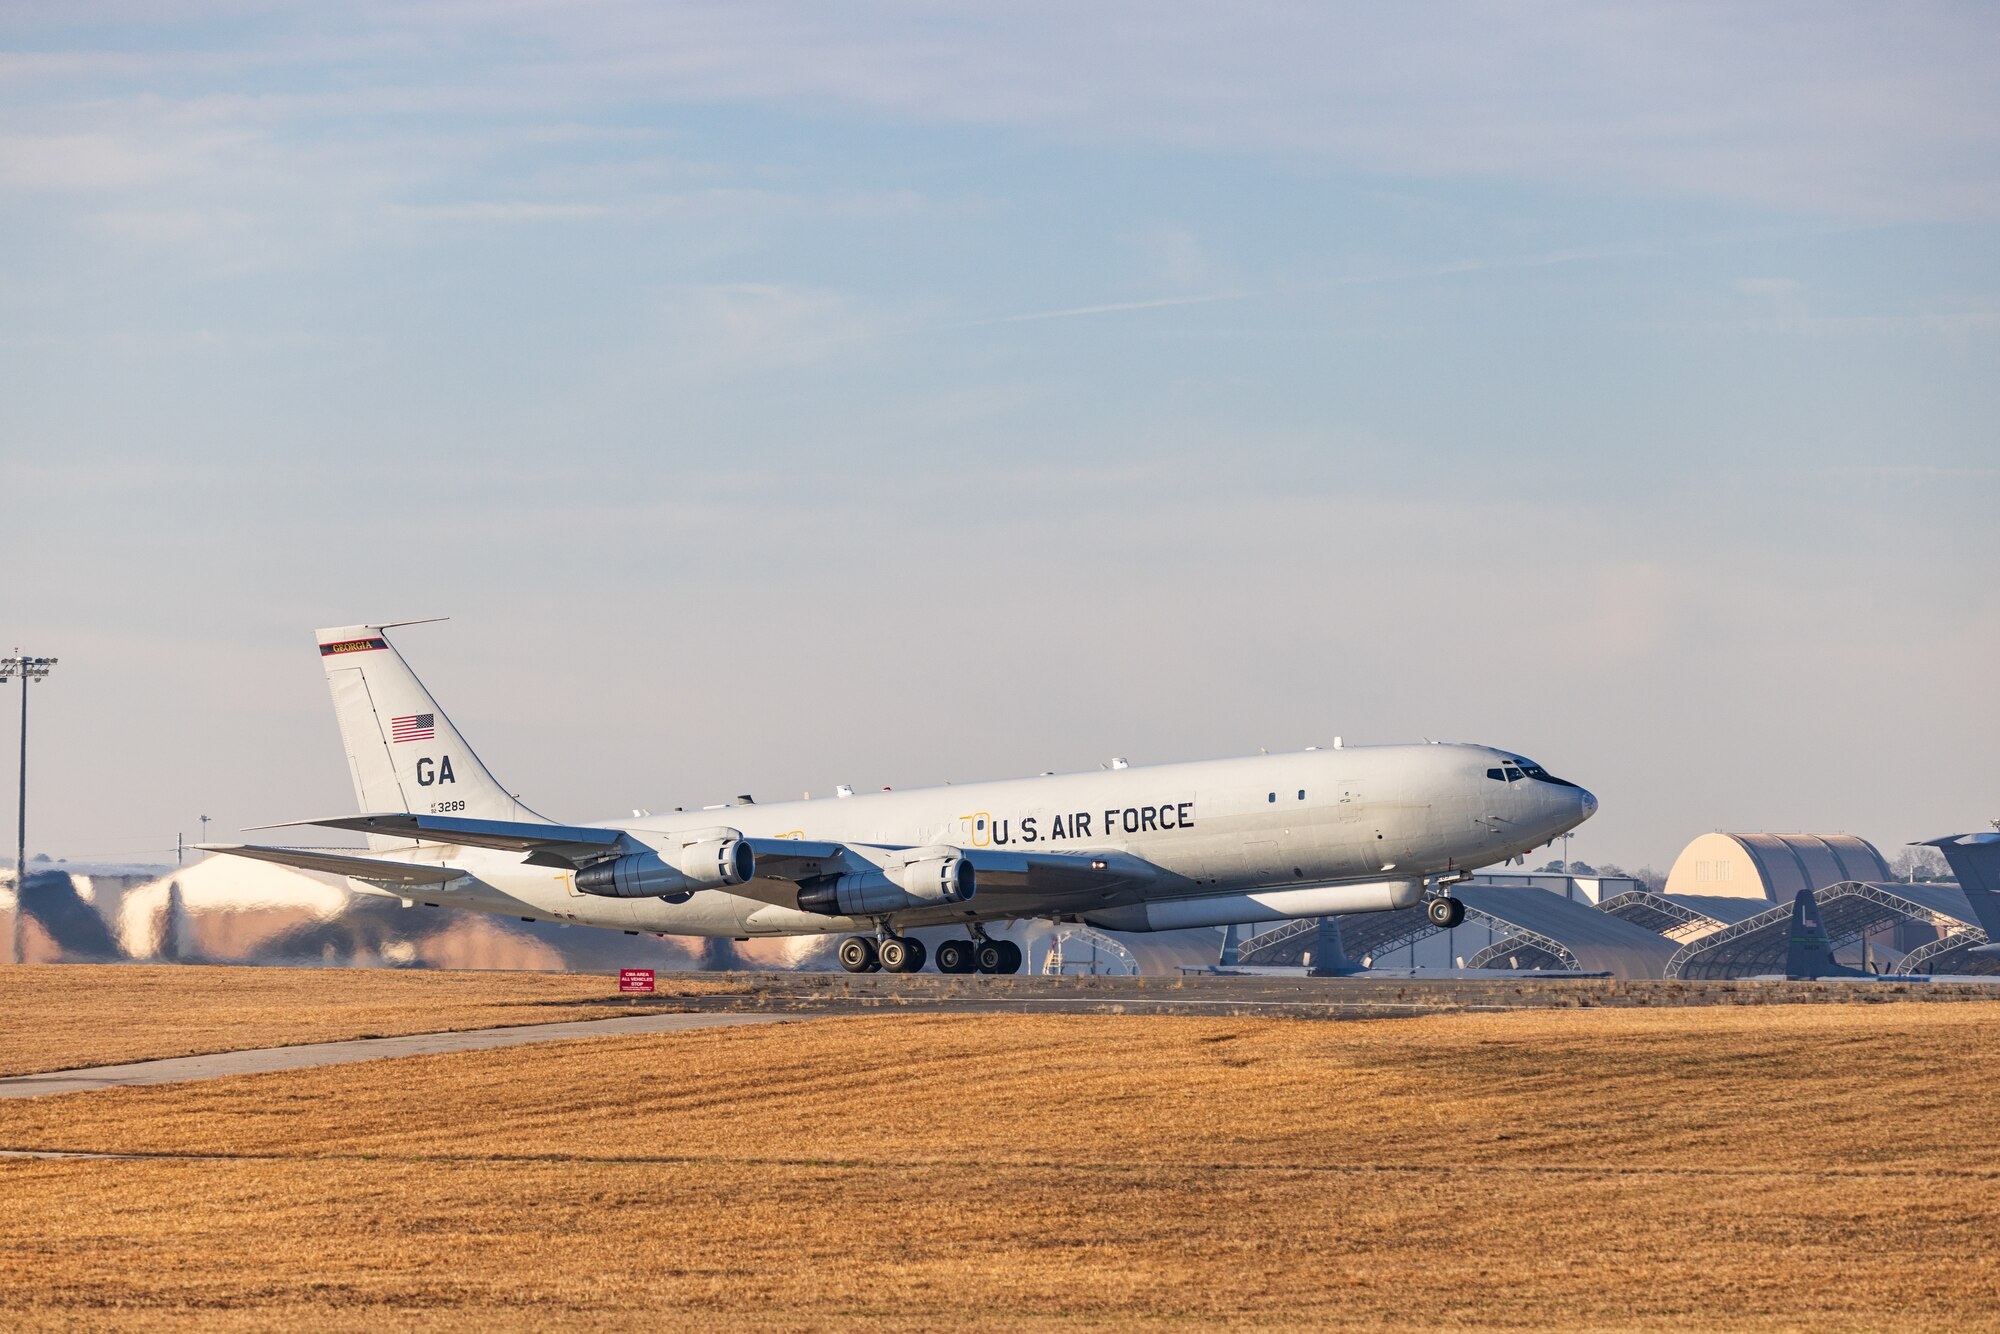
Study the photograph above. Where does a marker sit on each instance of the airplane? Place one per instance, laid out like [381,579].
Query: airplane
[1809,954]
[1975,860]
[1132,848]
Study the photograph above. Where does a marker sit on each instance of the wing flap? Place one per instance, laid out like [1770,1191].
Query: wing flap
[371,869]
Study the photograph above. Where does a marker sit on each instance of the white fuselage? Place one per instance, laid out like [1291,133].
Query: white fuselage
[1253,839]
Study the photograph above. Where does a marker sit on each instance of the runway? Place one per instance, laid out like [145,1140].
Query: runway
[262,1060]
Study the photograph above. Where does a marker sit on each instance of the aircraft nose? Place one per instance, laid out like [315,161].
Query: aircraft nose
[1587,802]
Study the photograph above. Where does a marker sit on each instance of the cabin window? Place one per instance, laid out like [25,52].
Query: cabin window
[1302,794]
[1272,797]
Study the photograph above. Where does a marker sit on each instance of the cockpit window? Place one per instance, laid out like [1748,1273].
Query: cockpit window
[1513,773]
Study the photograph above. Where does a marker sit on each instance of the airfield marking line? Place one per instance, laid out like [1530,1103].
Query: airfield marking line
[1030,1165]
[262,1060]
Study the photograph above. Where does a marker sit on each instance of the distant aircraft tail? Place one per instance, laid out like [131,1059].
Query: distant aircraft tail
[1329,954]
[1975,860]
[1811,951]
[402,752]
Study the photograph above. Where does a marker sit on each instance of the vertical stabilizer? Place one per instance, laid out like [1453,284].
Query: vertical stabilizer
[1975,860]
[1329,954]
[402,751]
[1811,952]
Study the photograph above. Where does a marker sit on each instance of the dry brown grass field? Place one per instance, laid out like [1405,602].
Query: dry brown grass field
[1796,1167]
[59,1017]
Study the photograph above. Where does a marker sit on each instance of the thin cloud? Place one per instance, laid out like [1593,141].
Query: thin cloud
[1842,109]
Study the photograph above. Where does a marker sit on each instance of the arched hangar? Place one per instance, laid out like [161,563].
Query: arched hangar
[1772,867]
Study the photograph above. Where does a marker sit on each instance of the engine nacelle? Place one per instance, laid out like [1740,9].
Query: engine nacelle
[715,862]
[873,893]
[947,879]
[641,875]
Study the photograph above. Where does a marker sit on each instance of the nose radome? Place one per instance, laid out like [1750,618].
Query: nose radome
[1589,802]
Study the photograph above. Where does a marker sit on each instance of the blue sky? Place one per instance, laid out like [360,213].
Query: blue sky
[780,396]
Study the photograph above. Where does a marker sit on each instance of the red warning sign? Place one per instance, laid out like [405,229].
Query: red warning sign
[635,980]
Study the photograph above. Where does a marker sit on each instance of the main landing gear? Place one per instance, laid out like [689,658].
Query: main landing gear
[901,954]
[891,954]
[979,956]
[1444,912]
[858,955]
[905,954]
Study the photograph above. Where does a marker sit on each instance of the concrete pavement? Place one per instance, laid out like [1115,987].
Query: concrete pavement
[262,1059]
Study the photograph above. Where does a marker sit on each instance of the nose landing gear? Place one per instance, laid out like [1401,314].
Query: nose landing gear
[1444,912]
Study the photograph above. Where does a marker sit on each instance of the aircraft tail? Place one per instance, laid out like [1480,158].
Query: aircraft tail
[1975,860]
[1329,954]
[1811,951]
[402,751]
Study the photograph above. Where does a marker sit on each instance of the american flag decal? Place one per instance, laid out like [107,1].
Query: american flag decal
[416,727]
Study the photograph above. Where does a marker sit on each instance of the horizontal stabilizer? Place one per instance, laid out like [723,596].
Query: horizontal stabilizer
[334,863]
[506,835]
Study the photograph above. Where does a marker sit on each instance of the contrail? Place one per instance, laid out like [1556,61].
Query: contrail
[1108,309]
[1444,270]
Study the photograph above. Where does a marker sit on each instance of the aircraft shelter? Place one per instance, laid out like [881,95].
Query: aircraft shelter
[1532,929]
[1683,917]
[1854,910]
[1772,867]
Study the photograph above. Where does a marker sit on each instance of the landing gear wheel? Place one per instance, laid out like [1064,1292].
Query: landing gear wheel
[1011,960]
[901,954]
[1445,912]
[990,955]
[956,956]
[857,955]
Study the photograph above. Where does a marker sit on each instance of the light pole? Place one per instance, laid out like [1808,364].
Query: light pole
[28,669]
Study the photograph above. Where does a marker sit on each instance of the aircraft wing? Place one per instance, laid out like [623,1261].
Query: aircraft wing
[1060,874]
[1029,882]
[782,863]
[505,835]
[371,869]
[796,859]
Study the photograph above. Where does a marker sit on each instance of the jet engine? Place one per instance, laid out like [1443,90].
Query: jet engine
[927,882]
[946,879]
[707,863]
[717,863]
